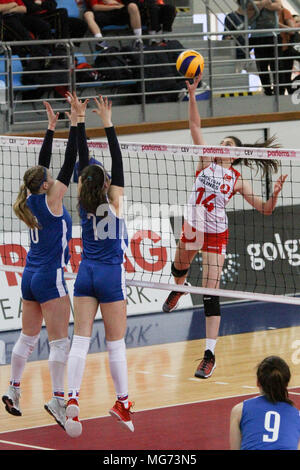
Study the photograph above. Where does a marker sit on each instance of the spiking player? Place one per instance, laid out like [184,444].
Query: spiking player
[44,291]
[101,276]
[206,225]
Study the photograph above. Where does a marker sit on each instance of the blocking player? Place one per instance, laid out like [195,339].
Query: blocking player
[101,277]
[44,292]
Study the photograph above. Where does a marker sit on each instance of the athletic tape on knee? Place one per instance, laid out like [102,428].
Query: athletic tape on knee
[59,350]
[116,350]
[80,346]
[211,305]
[178,272]
[25,345]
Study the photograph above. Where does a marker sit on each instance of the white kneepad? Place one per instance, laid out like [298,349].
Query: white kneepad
[59,350]
[25,345]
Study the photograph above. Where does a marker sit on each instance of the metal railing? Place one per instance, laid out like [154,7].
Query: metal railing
[223,74]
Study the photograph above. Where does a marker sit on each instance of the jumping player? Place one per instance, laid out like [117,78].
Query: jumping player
[101,277]
[269,421]
[206,226]
[44,292]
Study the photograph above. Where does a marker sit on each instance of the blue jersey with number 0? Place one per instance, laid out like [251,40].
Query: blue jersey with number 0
[49,244]
[268,426]
[104,236]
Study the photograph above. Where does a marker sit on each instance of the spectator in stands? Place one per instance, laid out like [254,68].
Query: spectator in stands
[101,13]
[296,37]
[14,28]
[297,19]
[77,26]
[157,15]
[265,56]
[286,51]
[236,20]
[42,17]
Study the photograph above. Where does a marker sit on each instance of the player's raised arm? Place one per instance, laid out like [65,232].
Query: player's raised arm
[264,207]
[116,190]
[194,116]
[83,150]
[195,120]
[64,177]
[46,149]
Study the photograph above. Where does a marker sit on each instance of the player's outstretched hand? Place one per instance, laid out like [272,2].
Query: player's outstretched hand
[52,117]
[78,107]
[103,109]
[279,183]
[192,87]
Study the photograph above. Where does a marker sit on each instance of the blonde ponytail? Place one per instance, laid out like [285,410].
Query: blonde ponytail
[33,179]
[22,211]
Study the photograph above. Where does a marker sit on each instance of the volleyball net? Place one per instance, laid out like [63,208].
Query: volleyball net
[263,254]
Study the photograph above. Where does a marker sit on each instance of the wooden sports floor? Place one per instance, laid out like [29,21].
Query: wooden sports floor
[172,409]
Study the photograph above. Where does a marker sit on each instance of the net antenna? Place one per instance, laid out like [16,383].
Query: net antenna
[262,257]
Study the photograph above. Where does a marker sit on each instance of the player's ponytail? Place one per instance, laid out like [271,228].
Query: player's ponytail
[263,165]
[273,376]
[33,179]
[21,209]
[93,192]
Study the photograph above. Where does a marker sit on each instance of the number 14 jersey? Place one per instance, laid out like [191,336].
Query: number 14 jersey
[212,190]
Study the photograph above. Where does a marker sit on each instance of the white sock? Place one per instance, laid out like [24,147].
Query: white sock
[118,368]
[59,351]
[210,344]
[17,367]
[137,32]
[57,373]
[98,35]
[76,364]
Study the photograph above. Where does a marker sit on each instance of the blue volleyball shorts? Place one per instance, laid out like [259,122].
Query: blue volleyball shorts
[105,282]
[42,286]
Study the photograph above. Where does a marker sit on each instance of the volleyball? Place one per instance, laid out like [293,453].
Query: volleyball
[190,63]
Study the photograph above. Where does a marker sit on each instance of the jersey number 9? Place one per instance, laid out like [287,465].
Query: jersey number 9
[272,423]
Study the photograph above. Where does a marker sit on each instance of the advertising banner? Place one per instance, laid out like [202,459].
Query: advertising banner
[148,258]
[263,256]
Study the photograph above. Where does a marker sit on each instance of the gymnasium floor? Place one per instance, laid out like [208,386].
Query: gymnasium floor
[172,409]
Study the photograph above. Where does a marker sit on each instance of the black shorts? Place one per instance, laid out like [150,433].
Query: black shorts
[116,17]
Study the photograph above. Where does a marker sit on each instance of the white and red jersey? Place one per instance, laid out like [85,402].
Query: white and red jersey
[212,190]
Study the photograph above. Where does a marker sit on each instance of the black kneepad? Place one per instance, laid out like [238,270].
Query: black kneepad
[211,305]
[178,272]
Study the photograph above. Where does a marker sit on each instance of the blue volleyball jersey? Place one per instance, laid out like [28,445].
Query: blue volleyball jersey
[268,426]
[48,244]
[104,238]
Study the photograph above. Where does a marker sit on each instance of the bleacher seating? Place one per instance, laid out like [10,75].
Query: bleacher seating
[114,85]
[219,75]
[16,73]
[71,6]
